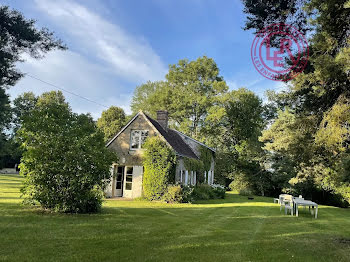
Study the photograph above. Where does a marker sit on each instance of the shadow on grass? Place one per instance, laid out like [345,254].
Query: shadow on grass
[235,198]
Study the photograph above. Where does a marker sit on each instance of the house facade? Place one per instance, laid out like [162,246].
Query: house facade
[127,174]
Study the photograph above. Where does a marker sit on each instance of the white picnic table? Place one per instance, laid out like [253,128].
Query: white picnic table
[302,202]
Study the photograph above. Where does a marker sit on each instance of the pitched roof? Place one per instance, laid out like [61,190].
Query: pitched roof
[173,137]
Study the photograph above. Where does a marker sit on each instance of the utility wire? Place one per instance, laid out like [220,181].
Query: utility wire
[65,90]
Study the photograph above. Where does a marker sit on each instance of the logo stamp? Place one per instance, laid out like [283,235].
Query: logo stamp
[285,61]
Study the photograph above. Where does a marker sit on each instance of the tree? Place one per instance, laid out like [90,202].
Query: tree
[65,163]
[150,97]
[23,105]
[18,36]
[237,128]
[190,90]
[12,153]
[311,130]
[111,122]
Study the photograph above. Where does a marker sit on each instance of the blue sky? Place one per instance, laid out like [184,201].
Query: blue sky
[115,46]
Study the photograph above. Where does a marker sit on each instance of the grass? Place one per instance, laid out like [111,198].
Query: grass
[234,229]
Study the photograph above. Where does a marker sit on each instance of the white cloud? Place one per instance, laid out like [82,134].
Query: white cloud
[104,63]
[72,71]
[129,57]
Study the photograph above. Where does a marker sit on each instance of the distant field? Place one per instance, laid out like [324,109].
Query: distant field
[234,229]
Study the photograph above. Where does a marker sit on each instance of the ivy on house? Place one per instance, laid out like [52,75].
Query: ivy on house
[159,161]
[202,165]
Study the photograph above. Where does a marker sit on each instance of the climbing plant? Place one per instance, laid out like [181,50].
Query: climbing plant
[200,165]
[159,161]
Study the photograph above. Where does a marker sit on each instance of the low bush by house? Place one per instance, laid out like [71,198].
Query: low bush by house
[186,194]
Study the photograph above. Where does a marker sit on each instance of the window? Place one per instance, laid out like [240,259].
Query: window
[138,138]
[128,178]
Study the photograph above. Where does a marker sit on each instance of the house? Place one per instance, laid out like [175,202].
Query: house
[126,175]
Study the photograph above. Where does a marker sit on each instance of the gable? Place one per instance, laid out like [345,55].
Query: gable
[121,142]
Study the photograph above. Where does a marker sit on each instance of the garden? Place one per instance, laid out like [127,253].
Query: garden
[230,229]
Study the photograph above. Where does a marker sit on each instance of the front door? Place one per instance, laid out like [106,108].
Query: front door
[128,185]
[119,181]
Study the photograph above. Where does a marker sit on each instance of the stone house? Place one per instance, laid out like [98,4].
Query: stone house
[126,175]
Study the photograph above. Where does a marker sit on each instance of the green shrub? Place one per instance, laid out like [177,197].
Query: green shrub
[206,192]
[174,194]
[159,161]
[65,163]
[203,192]
[178,194]
[219,191]
[187,194]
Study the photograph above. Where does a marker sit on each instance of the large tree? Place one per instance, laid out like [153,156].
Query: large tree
[18,36]
[191,89]
[237,129]
[311,132]
[65,162]
[111,122]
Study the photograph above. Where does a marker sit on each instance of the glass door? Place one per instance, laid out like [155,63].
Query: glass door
[129,170]
[119,181]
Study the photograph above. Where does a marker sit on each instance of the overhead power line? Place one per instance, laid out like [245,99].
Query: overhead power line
[65,90]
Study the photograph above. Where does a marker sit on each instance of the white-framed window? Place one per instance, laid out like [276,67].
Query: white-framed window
[128,178]
[137,138]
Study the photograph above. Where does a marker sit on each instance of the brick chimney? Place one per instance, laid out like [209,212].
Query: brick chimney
[162,118]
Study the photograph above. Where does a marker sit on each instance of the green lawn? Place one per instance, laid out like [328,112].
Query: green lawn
[234,229]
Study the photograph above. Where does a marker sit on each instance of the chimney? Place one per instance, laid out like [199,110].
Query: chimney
[162,118]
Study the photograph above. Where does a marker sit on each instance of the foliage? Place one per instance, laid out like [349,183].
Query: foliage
[334,131]
[159,161]
[19,38]
[65,164]
[219,191]
[191,89]
[177,194]
[23,105]
[150,97]
[193,164]
[111,122]
[206,156]
[310,135]
[239,183]
[201,165]
[206,192]
[173,194]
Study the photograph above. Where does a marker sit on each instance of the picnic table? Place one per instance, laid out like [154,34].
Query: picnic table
[297,202]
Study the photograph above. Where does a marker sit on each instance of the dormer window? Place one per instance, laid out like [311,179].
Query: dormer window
[138,138]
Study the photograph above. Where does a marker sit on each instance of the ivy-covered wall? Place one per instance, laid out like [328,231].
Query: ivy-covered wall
[159,162]
[201,165]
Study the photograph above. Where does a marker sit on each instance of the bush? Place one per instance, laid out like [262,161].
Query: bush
[219,191]
[202,192]
[65,163]
[178,194]
[206,192]
[173,194]
[187,194]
